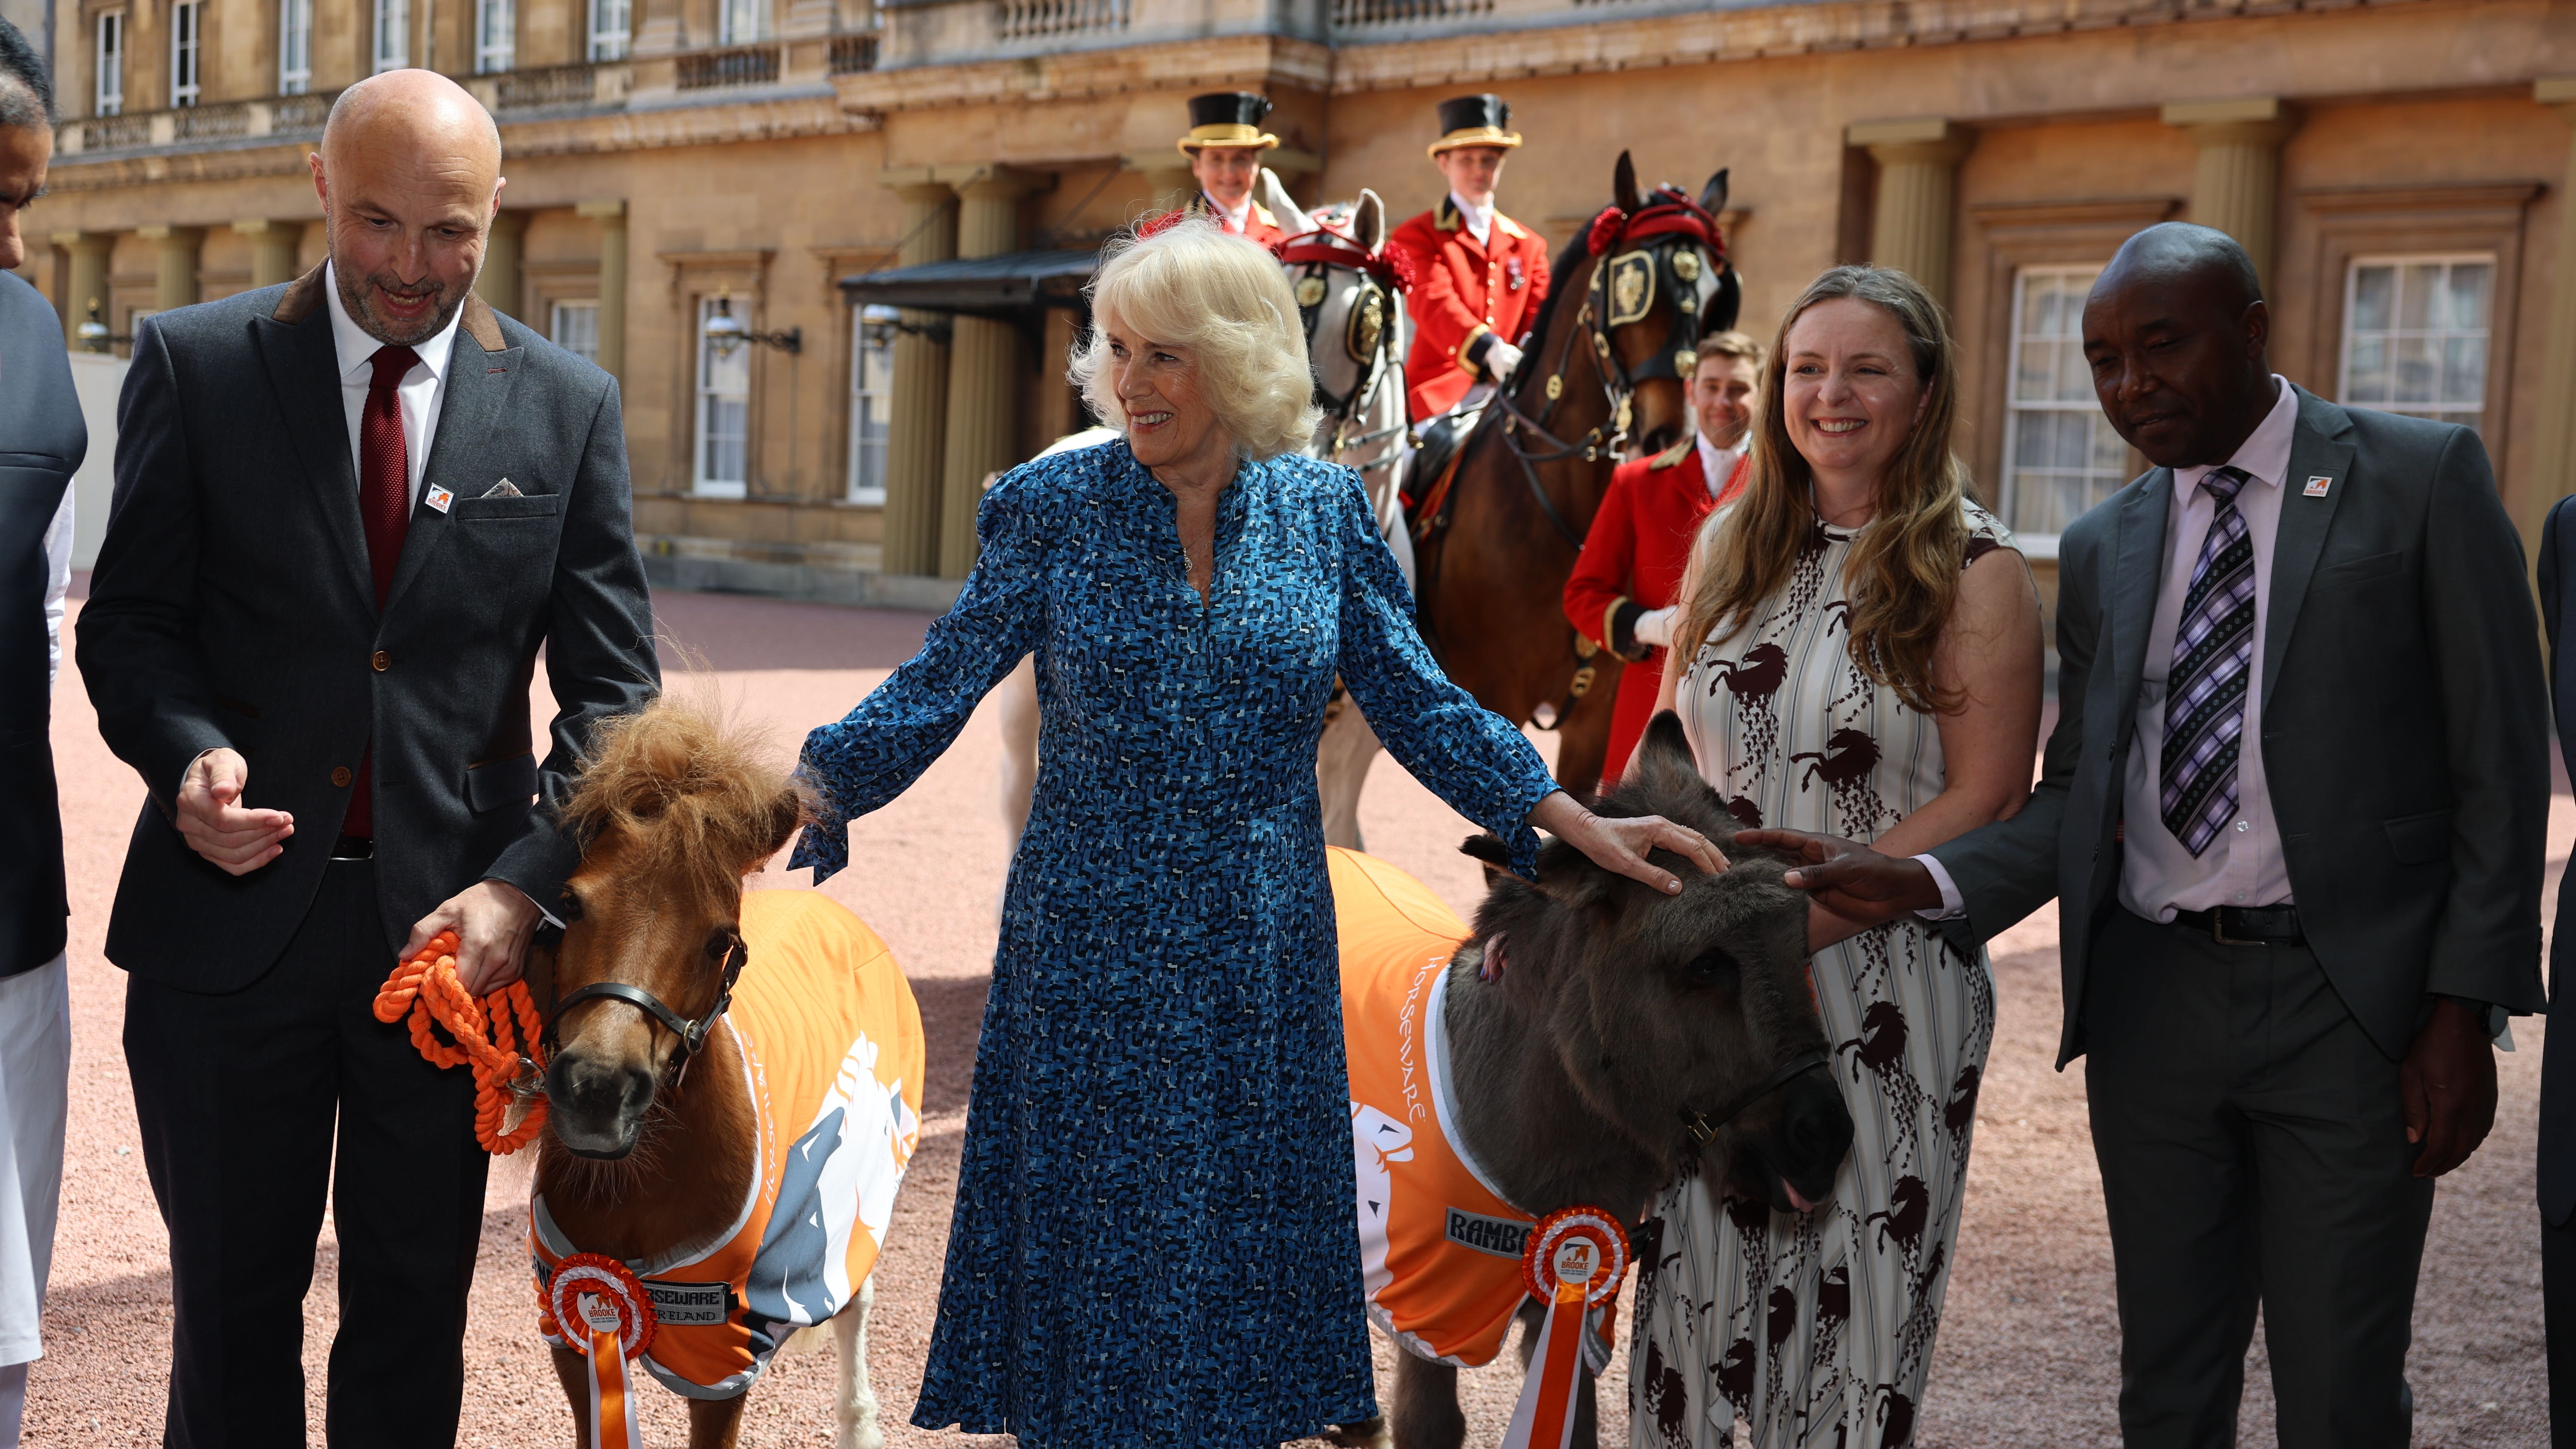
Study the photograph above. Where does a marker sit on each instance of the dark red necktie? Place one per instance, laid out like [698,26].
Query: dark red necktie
[384,505]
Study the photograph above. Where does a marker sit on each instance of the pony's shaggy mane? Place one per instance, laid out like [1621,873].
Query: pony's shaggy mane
[690,793]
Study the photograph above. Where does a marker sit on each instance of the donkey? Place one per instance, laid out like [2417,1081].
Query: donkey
[656,1152]
[1350,298]
[1601,1038]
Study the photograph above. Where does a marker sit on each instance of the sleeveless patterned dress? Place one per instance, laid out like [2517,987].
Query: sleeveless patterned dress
[1817,1329]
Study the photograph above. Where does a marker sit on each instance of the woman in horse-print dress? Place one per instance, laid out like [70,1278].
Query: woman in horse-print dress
[1868,667]
[1153,1242]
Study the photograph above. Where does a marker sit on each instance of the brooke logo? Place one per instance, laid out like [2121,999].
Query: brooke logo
[1502,1237]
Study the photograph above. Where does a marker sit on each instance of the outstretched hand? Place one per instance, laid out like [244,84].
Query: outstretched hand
[1621,844]
[217,826]
[2447,1088]
[1849,879]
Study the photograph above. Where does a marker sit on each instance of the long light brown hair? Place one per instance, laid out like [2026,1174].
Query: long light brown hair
[1904,567]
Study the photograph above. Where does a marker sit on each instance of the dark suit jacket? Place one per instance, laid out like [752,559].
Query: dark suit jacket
[42,442]
[2405,725]
[231,605]
[2558,1064]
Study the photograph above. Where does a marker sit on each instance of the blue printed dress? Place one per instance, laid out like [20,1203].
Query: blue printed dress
[1153,1242]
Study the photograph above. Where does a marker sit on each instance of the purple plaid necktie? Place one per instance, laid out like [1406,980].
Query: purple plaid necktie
[2213,661]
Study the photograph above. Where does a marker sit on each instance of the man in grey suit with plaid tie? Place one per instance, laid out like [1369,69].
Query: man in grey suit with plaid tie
[2294,812]
[349,513]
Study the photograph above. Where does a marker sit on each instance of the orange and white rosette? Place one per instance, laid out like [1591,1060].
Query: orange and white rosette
[600,1309]
[1574,1262]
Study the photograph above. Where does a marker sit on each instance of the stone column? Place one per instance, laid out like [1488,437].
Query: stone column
[983,371]
[2237,185]
[1167,177]
[1915,210]
[611,216]
[89,251]
[2553,464]
[501,283]
[178,280]
[918,408]
[275,246]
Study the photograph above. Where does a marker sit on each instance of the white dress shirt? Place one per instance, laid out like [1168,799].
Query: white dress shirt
[1479,219]
[420,393]
[58,584]
[1237,219]
[1716,464]
[2243,866]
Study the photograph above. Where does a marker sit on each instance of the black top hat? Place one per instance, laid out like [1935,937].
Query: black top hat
[1228,118]
[1474,121]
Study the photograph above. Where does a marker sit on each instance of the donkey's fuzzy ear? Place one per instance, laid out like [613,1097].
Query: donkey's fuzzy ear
[1623,184]
[1489,849]
[1664,764]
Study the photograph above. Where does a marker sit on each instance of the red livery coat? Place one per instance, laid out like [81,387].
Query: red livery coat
[1461,290]
[1639,544]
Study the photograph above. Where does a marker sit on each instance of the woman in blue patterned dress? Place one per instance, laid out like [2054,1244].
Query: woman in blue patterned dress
[1153,1242]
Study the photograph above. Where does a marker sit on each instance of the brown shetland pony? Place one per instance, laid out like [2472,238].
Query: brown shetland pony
[676,811]
[1492,565]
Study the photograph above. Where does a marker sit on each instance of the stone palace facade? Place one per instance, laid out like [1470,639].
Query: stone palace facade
[2399,170]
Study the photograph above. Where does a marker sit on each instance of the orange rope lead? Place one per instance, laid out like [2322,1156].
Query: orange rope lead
[483,1033]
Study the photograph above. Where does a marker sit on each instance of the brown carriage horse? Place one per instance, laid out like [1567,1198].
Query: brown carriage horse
[1496,540]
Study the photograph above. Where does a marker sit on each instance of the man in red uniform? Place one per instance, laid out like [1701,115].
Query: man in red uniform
[1224,145]
[1479,276]
[1622,591]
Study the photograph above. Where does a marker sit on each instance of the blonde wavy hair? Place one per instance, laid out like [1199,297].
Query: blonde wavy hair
[1191,284]
[1904,568]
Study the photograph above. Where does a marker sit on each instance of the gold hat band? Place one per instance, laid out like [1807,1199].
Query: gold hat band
[1227,133]
[1476,136]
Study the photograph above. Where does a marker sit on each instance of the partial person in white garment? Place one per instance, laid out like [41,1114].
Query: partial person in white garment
[42,441]
[1860,654]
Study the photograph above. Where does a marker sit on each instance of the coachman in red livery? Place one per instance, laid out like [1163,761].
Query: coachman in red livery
[1480,276]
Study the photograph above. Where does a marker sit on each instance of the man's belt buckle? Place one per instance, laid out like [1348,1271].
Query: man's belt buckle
[2218,930]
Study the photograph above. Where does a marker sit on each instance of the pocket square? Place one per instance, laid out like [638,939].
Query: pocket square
[503,489]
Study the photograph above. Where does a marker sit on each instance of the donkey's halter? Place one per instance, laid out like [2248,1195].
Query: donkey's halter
[1669,247]
[692,1034]
[1367,336]
[1701,1127]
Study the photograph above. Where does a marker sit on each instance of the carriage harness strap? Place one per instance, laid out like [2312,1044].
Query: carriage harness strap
[1700,1127]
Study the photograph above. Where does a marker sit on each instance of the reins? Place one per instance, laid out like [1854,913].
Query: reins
[488,1032]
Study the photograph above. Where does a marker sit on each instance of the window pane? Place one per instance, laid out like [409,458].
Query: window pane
[2371,287]
[2464,370]
[2418,370]
[576,328]
[2472,283]
[2062,457]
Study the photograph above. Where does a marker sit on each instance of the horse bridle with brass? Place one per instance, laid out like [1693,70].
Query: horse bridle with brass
[1366,339]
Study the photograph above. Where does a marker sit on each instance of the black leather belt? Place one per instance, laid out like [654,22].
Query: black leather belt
[2246,925]
[353,847]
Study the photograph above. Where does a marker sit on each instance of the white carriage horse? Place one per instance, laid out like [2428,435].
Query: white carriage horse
[1349,299]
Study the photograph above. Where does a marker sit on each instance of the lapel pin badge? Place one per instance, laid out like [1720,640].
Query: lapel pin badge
[440,498]
[2318,485]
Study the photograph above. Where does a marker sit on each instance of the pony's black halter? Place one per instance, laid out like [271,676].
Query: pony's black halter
[692,1034]
[1702,1127]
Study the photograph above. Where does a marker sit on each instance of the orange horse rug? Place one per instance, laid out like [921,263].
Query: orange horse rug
[1440,1250]
[832,1055]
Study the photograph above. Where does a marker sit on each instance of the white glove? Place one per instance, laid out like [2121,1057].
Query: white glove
[1655,626]
[1500,360]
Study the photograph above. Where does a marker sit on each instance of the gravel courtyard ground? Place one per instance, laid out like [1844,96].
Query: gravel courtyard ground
[2028,1346]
